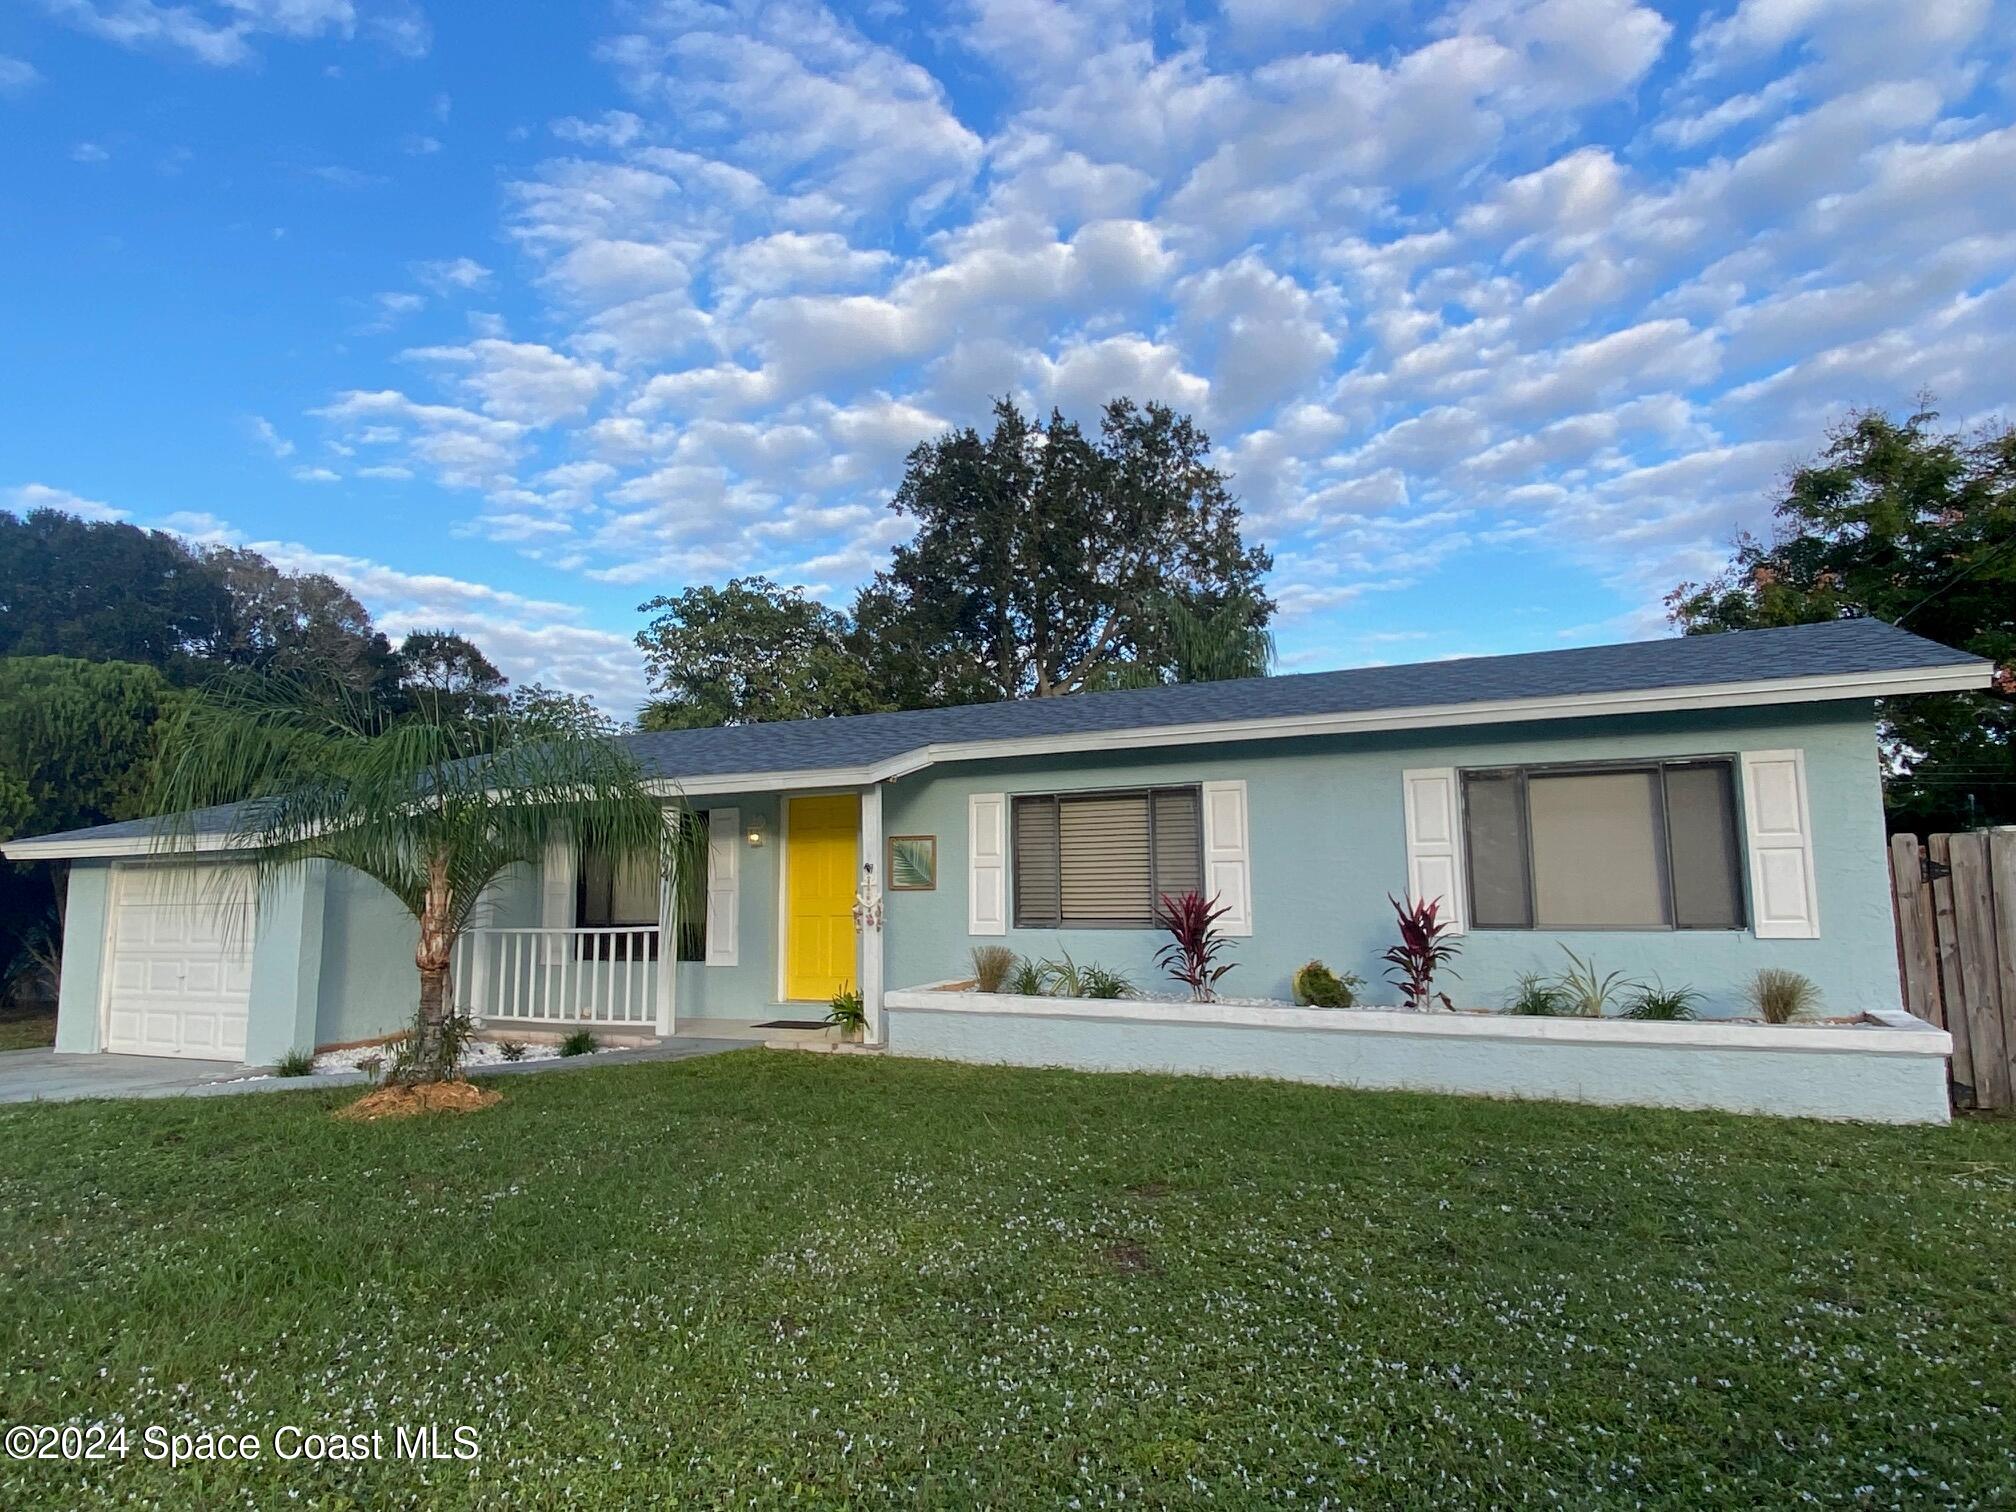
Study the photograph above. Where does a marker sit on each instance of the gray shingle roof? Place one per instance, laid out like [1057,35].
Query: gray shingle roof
[1840,646]
[1863,646]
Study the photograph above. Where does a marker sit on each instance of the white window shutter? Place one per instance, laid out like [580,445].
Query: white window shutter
[724,886]
[1228,868]
[1784,902]
[986,864]
[556,895]
[1435,841]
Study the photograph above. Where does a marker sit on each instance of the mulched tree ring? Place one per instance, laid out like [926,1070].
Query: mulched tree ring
[426,1097]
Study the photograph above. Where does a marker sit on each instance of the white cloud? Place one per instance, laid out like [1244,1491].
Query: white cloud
[521,381]
[391,307]
[17,76]
[1845,42]
[451,275]
[1277,15]
[268,436]
[1573,52]
[800,95]
[530,639]
[1264,335]
[89,152]
[27,496]
[217,34]
[1567,278]
[793,260]
[401,29]
[460,447]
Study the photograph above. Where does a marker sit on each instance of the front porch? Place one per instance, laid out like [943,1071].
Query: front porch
[553,981]
[788,914]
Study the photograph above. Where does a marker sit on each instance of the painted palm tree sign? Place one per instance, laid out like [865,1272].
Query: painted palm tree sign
[913,863]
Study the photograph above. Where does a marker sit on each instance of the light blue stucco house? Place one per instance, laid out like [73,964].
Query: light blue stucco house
[1686,809]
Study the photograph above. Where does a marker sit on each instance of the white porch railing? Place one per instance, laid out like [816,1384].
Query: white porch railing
[559,976]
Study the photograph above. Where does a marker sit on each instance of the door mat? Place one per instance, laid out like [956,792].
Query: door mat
[794,1024]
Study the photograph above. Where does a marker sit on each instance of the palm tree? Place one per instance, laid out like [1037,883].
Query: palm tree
[432,802]
[1196,645]
[1213,645]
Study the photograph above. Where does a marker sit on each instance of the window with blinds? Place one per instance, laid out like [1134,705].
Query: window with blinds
[1649,846]
[1102,860]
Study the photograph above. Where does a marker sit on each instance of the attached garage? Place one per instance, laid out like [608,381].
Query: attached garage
[178,969]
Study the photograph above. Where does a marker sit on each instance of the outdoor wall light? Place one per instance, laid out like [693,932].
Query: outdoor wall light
[758,827]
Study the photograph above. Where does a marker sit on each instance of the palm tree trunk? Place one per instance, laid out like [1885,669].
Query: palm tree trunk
[430,1057]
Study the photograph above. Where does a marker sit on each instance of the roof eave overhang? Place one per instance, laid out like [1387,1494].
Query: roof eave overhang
[1963,677]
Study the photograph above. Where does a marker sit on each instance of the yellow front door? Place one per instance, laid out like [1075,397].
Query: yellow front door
[821,857]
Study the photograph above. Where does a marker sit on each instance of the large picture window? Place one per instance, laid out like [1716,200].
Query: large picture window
[1632,846]
[1102,860]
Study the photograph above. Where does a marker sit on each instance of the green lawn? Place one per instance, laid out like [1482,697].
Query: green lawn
[771,1278]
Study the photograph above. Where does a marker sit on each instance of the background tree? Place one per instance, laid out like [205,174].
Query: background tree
[745,654]
[432,803]
[446,673]
[1917,526]
[1045,559]
[79,736]
[299,624]
[106,591]
[77,747]
[537,707]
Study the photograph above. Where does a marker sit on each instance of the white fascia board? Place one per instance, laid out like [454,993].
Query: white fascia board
[55,848]
[1957,677]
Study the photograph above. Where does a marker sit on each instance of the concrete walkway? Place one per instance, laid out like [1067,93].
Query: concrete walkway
[45,1076]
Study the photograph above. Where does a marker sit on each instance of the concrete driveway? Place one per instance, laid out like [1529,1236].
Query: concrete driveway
[43,1075]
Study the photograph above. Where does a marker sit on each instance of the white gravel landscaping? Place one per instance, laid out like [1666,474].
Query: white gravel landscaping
[479,1054]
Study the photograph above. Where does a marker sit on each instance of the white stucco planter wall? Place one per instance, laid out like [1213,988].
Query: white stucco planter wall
[1887,1068]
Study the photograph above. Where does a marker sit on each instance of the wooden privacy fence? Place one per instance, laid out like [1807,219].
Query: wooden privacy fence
[1955,901]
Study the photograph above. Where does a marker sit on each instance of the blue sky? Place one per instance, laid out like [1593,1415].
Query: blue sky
[1505,314]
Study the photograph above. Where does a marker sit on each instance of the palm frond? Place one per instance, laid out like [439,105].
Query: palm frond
[318,776]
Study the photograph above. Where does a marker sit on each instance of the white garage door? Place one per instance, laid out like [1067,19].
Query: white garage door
[181,967]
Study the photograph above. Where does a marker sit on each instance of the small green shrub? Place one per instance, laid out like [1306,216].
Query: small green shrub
[847,1011]
[1586,993]
[295,1063]
[1666,1004]
[991,965]
[1536,996]
[1061,978]
[1026,979]
[1317,986]
[580,1042]
[458,1032]
[511,1050]
[1780,996]
[1103,982]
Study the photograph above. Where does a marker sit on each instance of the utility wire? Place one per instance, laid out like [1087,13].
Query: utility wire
[1969,570]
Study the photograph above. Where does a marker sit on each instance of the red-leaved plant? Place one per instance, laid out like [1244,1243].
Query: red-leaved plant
[1424,949]
[1191,956]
